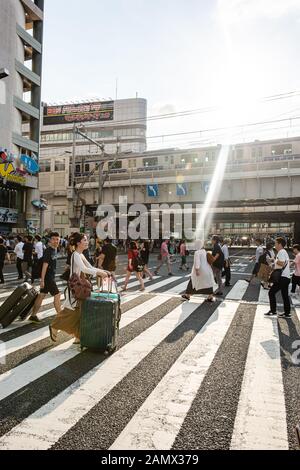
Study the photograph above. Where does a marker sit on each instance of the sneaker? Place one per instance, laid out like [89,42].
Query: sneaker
[185,297]
[170,274]
[34,319]
[156,273]
[270,314]
[283,315]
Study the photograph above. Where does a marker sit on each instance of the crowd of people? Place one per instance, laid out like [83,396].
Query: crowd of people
[36,258]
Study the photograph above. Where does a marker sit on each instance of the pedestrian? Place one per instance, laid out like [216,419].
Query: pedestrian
[145,254]
[3,254]
[48,284]
[164,258]
[202,278]
[133,261]
[183,256]
[20,256]
[296,275]
[37,258]
[68,319]
[28,255]
[218,264]
[281,278]
[269,261]
[108,257]
[227,269]
[258,254]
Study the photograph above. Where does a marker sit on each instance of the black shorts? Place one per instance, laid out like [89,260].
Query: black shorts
[256,269]
[50,288]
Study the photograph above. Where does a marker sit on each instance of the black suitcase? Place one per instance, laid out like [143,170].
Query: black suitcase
[18,304]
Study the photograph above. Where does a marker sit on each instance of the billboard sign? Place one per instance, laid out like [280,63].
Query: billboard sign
[30,164]
[80,112]
[8,216]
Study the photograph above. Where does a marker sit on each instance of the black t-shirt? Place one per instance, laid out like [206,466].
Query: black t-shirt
[110,252]
[145,255]
[50,257]
[3,251]
[27,250]
[217,250]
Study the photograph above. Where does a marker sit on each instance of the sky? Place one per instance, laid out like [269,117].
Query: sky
[219,57]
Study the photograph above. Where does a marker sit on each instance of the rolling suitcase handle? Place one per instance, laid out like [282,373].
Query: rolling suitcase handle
[111,282]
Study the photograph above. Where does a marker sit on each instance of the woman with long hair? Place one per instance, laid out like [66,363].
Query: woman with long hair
[69,318]
[133,254]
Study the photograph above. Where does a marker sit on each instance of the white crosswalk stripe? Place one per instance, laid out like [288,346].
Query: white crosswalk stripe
[261,419]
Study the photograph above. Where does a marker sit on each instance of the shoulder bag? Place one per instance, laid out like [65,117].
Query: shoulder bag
[79,286]
[277,274]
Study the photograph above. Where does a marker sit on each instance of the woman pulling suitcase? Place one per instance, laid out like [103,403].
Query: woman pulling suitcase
[79,288]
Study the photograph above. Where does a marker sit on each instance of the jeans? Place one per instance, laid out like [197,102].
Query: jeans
[282,286]
[295,283]
[19,267]
[1,272]
[227,275]
[218,279]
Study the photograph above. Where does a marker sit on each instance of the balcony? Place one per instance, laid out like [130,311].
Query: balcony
[28,40]
[24,143]
[33,12]
[28,75]
[26,109]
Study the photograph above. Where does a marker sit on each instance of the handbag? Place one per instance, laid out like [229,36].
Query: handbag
[79,286]
[65,275]
[138,264]
[264,272]
[210,258]
[276,275]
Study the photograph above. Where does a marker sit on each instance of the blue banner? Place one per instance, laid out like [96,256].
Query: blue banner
[152,190]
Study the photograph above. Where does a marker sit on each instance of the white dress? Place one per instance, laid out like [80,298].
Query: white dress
[206,278]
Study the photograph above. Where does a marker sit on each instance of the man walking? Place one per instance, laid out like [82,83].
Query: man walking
[48,284]
[227,269]
[164,257]
[20,256]
[282,263]
[259,252]
[28,256]
[218,263]
[108,257]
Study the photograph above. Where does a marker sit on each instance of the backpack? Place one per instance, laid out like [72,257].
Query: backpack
[263,258]
[138,264]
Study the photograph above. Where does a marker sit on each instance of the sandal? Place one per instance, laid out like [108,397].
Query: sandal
[52,335]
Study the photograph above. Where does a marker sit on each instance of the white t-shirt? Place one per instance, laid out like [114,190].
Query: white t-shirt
[225,252]
[283,257]
[39,249]
[259,252]
[19,250]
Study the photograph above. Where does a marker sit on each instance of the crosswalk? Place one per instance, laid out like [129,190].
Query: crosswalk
[186,375]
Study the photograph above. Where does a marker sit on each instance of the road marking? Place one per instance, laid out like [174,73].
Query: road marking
[47,425]
[238,291]
[157,423]
[261,417]
[264,296]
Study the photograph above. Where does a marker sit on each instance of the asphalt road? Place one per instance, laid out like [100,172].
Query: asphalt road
[185,376]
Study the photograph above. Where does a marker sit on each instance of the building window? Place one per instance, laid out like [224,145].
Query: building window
[132,163]
[87,168]
[284,149]
[45,166]
[59,166]
[239,154]
[150,162]
[116,166]
[78,169]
